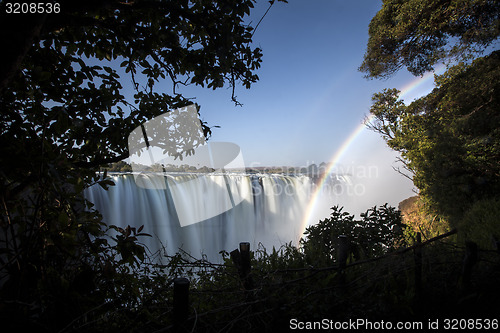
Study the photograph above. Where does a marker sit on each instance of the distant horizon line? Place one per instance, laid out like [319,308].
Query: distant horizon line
[320,165]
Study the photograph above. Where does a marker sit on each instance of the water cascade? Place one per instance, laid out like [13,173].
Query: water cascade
[209,213]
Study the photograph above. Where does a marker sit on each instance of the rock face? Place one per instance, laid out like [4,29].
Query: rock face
[417,218]
[408,206]
[410,212]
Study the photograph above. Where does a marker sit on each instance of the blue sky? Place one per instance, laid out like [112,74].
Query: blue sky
[310,96]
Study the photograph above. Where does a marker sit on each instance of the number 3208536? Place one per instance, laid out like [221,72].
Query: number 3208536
[32,7]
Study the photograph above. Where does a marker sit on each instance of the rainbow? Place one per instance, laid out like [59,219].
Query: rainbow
[406,90]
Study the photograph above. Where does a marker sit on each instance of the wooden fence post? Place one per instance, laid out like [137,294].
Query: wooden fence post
[241,260]
[417,255]
[181,304]
[470,260]
[246,265]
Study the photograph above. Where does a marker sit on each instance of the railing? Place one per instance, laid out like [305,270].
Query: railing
[241,261]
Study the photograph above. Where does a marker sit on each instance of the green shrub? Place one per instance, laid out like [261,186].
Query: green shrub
[481,224]
[379,231]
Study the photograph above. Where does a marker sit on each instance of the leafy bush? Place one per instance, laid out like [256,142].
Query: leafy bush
[481,224]
[379,231]
[58,259]
[122,288]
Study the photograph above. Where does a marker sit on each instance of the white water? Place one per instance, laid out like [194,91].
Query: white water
[207,214]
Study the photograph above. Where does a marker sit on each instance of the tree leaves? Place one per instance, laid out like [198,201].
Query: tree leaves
[199,43]
[380,230]
[448,139]
[414,34]
[64,113]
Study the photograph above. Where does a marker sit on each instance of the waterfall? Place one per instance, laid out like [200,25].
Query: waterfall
[209,213]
